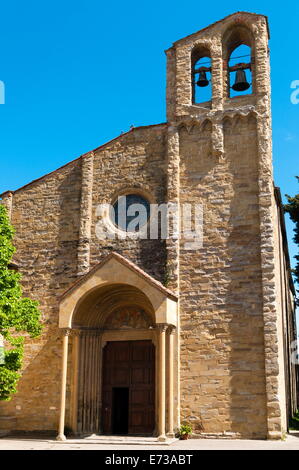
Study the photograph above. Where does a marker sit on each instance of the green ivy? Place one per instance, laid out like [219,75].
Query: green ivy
[18,314]
[185,429]
[294,421]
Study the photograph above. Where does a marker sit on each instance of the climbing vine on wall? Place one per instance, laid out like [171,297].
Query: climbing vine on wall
[18,314]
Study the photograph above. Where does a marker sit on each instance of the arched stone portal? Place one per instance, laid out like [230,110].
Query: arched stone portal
[119,317]
[128,388]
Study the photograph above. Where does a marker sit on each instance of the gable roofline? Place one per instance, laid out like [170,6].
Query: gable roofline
[130,265]
[81,156]
[220,21]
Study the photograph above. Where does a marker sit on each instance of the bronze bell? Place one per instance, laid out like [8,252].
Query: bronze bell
[241,83]
[202,79]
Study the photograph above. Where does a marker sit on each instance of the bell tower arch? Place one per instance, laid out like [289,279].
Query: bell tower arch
[220,156]
[238,50]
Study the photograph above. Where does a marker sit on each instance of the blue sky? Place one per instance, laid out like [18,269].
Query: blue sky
[78,73]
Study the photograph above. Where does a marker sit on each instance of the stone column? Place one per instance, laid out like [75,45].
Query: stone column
[61,436]
[172,274]
[85,215]
[217,138]
[173,200]
[7,199]
[162,382]
[170,334]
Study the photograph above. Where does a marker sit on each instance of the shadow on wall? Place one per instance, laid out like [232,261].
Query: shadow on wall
[147,172]
[243,301]
[49,267]
[222,340]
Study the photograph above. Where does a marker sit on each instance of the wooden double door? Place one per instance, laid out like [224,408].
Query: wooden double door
[128,387]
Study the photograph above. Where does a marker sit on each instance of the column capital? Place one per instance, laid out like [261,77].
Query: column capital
[66,331]
[75,332]
[162,328]
[91,332]
[8,193]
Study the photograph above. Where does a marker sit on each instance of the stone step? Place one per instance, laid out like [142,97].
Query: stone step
[119,440]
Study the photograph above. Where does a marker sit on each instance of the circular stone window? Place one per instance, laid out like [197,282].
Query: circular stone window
[130,212]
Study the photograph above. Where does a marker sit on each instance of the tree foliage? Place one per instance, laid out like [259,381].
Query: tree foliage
[18,314]
[292,208]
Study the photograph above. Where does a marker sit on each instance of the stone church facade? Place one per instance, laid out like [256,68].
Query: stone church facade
[141,335]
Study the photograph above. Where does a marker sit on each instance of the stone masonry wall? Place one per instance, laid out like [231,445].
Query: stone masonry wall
[219,156]
[223,153]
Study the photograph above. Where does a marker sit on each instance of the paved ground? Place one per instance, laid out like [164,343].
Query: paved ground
[291,443]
